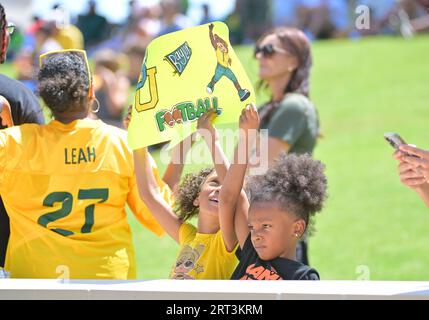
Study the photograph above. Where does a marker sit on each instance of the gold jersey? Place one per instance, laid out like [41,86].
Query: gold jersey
[65,187]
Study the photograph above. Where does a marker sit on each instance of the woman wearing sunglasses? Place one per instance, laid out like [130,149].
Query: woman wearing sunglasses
[284,58]
[65,184]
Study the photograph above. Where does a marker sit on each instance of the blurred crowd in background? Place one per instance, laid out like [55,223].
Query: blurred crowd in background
[117,50]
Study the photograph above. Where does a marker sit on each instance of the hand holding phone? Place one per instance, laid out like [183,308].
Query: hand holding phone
[394,139]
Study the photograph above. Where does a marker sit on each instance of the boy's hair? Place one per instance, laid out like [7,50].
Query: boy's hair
[187,192]
[296,182]
[64,82]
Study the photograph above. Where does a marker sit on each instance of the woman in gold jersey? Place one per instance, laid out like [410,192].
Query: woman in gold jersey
[65,184]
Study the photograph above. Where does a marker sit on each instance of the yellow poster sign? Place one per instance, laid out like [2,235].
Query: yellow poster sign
[183,75]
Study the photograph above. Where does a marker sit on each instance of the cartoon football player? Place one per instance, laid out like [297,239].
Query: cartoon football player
[222,67]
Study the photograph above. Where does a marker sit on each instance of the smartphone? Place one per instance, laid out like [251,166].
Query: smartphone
[394,139]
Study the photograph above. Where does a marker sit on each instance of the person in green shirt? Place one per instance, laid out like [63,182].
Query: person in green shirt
[284,57]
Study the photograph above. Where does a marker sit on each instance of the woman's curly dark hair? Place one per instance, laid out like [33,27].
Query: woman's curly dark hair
[64,82]
[296,182]
[187,192]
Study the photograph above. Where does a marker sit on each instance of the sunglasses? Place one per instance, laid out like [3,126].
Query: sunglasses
[268,50]
[10,28]
[79,53]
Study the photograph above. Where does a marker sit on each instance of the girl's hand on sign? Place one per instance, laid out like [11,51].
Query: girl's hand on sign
[205,123]
[249,118]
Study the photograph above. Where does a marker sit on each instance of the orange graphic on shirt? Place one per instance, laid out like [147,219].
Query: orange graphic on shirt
[260,273]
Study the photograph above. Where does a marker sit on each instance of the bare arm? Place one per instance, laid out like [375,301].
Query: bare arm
[210,136]
[414,170]
[5,113]
[275,147]
[423,192]
[149,193]
[221,163]
[232,199]
[174,170]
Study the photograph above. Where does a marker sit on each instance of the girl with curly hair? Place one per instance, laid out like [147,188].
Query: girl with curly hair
[282,202]
[208,250]
[290,117]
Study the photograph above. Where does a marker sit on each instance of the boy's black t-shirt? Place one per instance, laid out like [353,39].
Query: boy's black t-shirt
[251,267]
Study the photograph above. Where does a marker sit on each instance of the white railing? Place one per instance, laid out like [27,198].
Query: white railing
[210,290]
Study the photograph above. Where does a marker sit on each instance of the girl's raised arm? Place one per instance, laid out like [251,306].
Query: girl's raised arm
[150,194]
[233,201]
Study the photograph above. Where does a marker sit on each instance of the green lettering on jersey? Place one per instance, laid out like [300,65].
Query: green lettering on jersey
[91,154]
[79,155]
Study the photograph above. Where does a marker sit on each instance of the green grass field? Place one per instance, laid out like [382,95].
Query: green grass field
[361,89]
